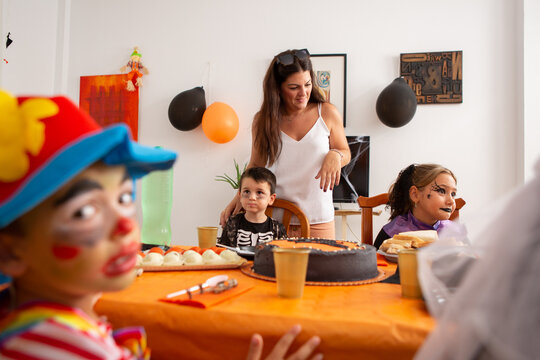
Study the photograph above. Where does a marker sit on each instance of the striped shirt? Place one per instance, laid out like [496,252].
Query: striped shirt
[40,330]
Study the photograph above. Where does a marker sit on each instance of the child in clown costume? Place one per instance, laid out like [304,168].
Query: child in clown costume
[67,229]
[68,232]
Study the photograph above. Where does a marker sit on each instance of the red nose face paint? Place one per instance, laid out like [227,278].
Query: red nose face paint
[124,226]
[63,252]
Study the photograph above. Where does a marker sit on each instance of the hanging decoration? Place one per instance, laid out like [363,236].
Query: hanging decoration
[220,123]
[187,108]
[8,40]
[134,79]
[106,99]
[396,104]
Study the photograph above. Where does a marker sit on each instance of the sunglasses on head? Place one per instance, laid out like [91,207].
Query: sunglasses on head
[288,58]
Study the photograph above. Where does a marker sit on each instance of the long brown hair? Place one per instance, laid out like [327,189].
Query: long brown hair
[267,140]
[420,176]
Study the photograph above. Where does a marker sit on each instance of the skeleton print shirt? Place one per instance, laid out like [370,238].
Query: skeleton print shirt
[240,232]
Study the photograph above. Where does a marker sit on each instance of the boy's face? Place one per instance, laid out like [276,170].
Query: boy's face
[83,239]
[255,196]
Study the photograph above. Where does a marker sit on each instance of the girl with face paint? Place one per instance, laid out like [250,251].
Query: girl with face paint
[421,198]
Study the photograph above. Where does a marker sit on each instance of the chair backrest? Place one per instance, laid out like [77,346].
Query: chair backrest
[368,203]
[459,204]
[290,209]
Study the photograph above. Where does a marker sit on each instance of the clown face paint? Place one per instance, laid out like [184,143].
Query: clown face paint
[83,239]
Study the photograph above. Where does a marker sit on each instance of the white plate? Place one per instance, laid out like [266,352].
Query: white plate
[390,257]
[190,267]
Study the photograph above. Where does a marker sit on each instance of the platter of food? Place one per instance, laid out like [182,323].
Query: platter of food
[191,267]
[182,258]
[406,240]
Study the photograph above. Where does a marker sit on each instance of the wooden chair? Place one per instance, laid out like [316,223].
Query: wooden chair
[459,204]
[368,203]
[290,209]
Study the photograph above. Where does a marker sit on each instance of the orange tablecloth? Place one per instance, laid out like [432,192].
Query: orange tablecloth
[366,321]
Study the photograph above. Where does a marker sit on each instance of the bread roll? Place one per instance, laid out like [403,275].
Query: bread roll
[426,235]
[394,248]
[401,237]
[395,244]
[420,243]
[403,241]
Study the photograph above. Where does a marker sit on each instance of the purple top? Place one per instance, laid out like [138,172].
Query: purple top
[408,222]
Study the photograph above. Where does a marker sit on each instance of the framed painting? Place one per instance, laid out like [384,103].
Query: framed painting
[107,100]
[435,77]
[331,76]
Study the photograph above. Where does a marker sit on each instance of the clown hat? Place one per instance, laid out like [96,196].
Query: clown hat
[45,142]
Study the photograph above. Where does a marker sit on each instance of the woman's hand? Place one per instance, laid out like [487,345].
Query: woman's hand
[280,350]
[233,208]
[330,172]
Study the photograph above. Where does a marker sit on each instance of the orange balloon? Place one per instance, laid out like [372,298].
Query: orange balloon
[220,123]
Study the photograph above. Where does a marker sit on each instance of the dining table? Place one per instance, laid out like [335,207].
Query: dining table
[367,321]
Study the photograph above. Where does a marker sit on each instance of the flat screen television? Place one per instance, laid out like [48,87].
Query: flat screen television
[355,175]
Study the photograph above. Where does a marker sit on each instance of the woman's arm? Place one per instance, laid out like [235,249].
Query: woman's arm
[339,154]
[234,206]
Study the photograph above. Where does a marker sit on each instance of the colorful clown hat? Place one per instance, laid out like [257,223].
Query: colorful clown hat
[45,142]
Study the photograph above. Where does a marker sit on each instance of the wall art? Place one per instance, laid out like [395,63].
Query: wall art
[435,77]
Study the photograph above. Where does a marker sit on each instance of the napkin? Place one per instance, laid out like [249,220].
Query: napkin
[208,299]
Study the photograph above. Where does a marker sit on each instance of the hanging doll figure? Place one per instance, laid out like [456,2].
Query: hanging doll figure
[137,70]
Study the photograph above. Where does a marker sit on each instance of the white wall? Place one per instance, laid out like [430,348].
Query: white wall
[227,45]
[32,55]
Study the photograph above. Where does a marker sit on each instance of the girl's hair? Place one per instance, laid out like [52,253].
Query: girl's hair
[267,140]
[414,175]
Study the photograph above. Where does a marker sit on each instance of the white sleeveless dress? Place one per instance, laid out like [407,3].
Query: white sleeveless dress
[296,168]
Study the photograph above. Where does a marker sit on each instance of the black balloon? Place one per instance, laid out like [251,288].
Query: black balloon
[396,104]
[187,108]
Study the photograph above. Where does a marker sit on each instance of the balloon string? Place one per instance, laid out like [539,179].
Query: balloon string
[206,79]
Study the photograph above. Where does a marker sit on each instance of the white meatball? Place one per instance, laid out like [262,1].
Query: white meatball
[211,258]
[192,258]
[173,258]
[153,259]
[231,257]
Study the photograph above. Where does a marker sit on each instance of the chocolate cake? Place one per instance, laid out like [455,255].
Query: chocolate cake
[329,260]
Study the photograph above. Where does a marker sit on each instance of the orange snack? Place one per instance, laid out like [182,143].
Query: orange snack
[156,250]
[197,249]
[142,254]
[218,250]
[178,249]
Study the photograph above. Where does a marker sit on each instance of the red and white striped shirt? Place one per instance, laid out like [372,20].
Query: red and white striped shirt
[52,331]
